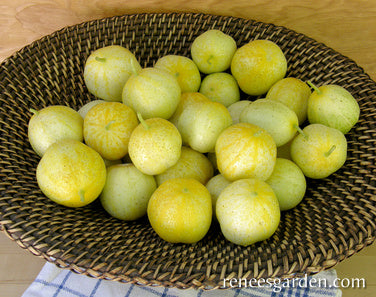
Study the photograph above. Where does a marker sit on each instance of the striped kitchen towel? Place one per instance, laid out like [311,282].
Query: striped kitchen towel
[53,281]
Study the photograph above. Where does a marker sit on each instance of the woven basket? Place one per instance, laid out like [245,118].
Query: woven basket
[335,220]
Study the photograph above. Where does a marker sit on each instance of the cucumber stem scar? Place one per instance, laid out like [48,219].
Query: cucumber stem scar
[82,195]
[107,127]
[313,87]
[142,121]
[327,154]
[100,59]
[300,131]
[34,111]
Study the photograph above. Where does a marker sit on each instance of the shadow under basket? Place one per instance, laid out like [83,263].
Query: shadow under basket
[335,220]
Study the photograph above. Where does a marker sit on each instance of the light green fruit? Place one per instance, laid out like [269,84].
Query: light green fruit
[51,124]
[191,164]
[236,109]
[248,211]
[201,123]
[220,87]
[107,69]
[333,106]
[154,146]
[292,92]
[258,65]
[319,151]
[186,99]
[212,51]
[215,186]
[127,191]
[86,107]
[153,92]
[288,183]
[184,69]
[273,116]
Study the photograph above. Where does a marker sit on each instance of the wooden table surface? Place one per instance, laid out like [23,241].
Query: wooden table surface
[347,26]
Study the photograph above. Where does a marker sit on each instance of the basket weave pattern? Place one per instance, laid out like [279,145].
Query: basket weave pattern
[335,220]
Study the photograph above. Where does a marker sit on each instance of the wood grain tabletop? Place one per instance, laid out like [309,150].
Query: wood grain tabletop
[347,26]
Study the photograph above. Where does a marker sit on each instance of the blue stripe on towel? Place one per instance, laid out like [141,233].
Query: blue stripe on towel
[95,288]
[47,284]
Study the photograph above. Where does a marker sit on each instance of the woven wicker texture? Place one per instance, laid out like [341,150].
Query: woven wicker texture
[335,220]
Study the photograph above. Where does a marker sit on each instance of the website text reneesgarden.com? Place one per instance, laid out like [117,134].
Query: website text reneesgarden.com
[278,283]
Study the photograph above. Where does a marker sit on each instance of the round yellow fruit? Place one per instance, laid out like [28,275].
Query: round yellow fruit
[292,92]
[248,211]
[86,107]
[275,117]
[319,151]
[257,65]
[180,210]
[212,51]
[236,109]
[107,69]
[108,127]
[51,124]
[288,183]
[200,124]
[154,146]
[333,106]
[191,164]
[152,92]
[186,100]
[71,173]
[220,87]
[184,69]
[245,151]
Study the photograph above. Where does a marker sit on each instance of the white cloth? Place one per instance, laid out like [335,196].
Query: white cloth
[53,281]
